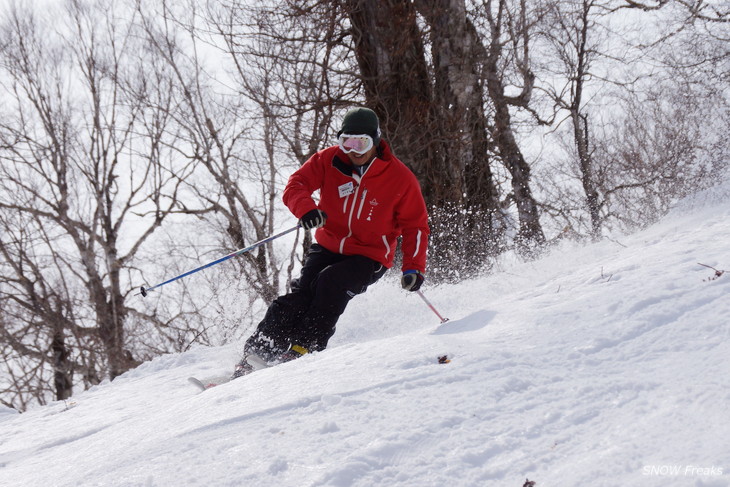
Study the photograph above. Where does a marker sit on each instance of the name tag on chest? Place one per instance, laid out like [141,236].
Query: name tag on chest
[346,189]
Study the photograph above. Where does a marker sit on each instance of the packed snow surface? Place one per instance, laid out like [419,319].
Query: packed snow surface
[598,365]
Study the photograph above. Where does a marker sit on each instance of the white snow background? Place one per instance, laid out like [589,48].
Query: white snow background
[598,365]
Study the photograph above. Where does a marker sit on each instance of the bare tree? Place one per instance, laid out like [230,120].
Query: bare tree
[693,9]
[509,27]
[81,164]
[634,161]
[472,212]
[290,64]
[568,26]
[241,125]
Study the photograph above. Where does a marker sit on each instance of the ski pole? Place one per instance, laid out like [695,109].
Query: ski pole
[428,303]
[144,290]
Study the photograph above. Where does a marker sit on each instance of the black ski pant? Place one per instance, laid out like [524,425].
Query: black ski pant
[308,314]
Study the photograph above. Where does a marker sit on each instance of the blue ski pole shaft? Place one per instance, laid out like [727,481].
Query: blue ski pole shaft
[144,290]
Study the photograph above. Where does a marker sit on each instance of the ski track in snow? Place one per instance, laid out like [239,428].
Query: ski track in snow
[601,365]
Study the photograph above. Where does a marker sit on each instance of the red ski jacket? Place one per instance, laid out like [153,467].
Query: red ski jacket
[365,214]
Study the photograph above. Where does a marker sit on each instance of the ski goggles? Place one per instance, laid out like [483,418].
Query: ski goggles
[359,144]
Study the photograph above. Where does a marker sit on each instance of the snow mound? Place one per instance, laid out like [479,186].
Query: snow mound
[604,365]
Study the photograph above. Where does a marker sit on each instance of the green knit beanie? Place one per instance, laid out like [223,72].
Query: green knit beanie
[361,121]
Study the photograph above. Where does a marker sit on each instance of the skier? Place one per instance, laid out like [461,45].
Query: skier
[368,198]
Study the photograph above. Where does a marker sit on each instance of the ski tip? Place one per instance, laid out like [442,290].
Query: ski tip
[197,383]
[257,363]
[207,385]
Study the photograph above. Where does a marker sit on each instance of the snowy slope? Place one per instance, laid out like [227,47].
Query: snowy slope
[602,365]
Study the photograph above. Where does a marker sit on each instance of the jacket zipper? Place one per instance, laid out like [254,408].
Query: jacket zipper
[358,181]
[349,220]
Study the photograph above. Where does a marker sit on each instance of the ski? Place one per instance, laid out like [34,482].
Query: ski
[254,362]
[257,363]
[207,384]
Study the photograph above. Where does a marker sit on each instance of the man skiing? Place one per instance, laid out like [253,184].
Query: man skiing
[368,198]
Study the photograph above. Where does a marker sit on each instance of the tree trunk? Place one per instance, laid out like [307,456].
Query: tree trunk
[472,212]
[580,125]
[459,104]
[580,131]
[62,366]
[530,232]
[395,78]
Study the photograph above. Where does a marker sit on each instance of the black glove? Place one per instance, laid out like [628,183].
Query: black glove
[412,280]
[313,219]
